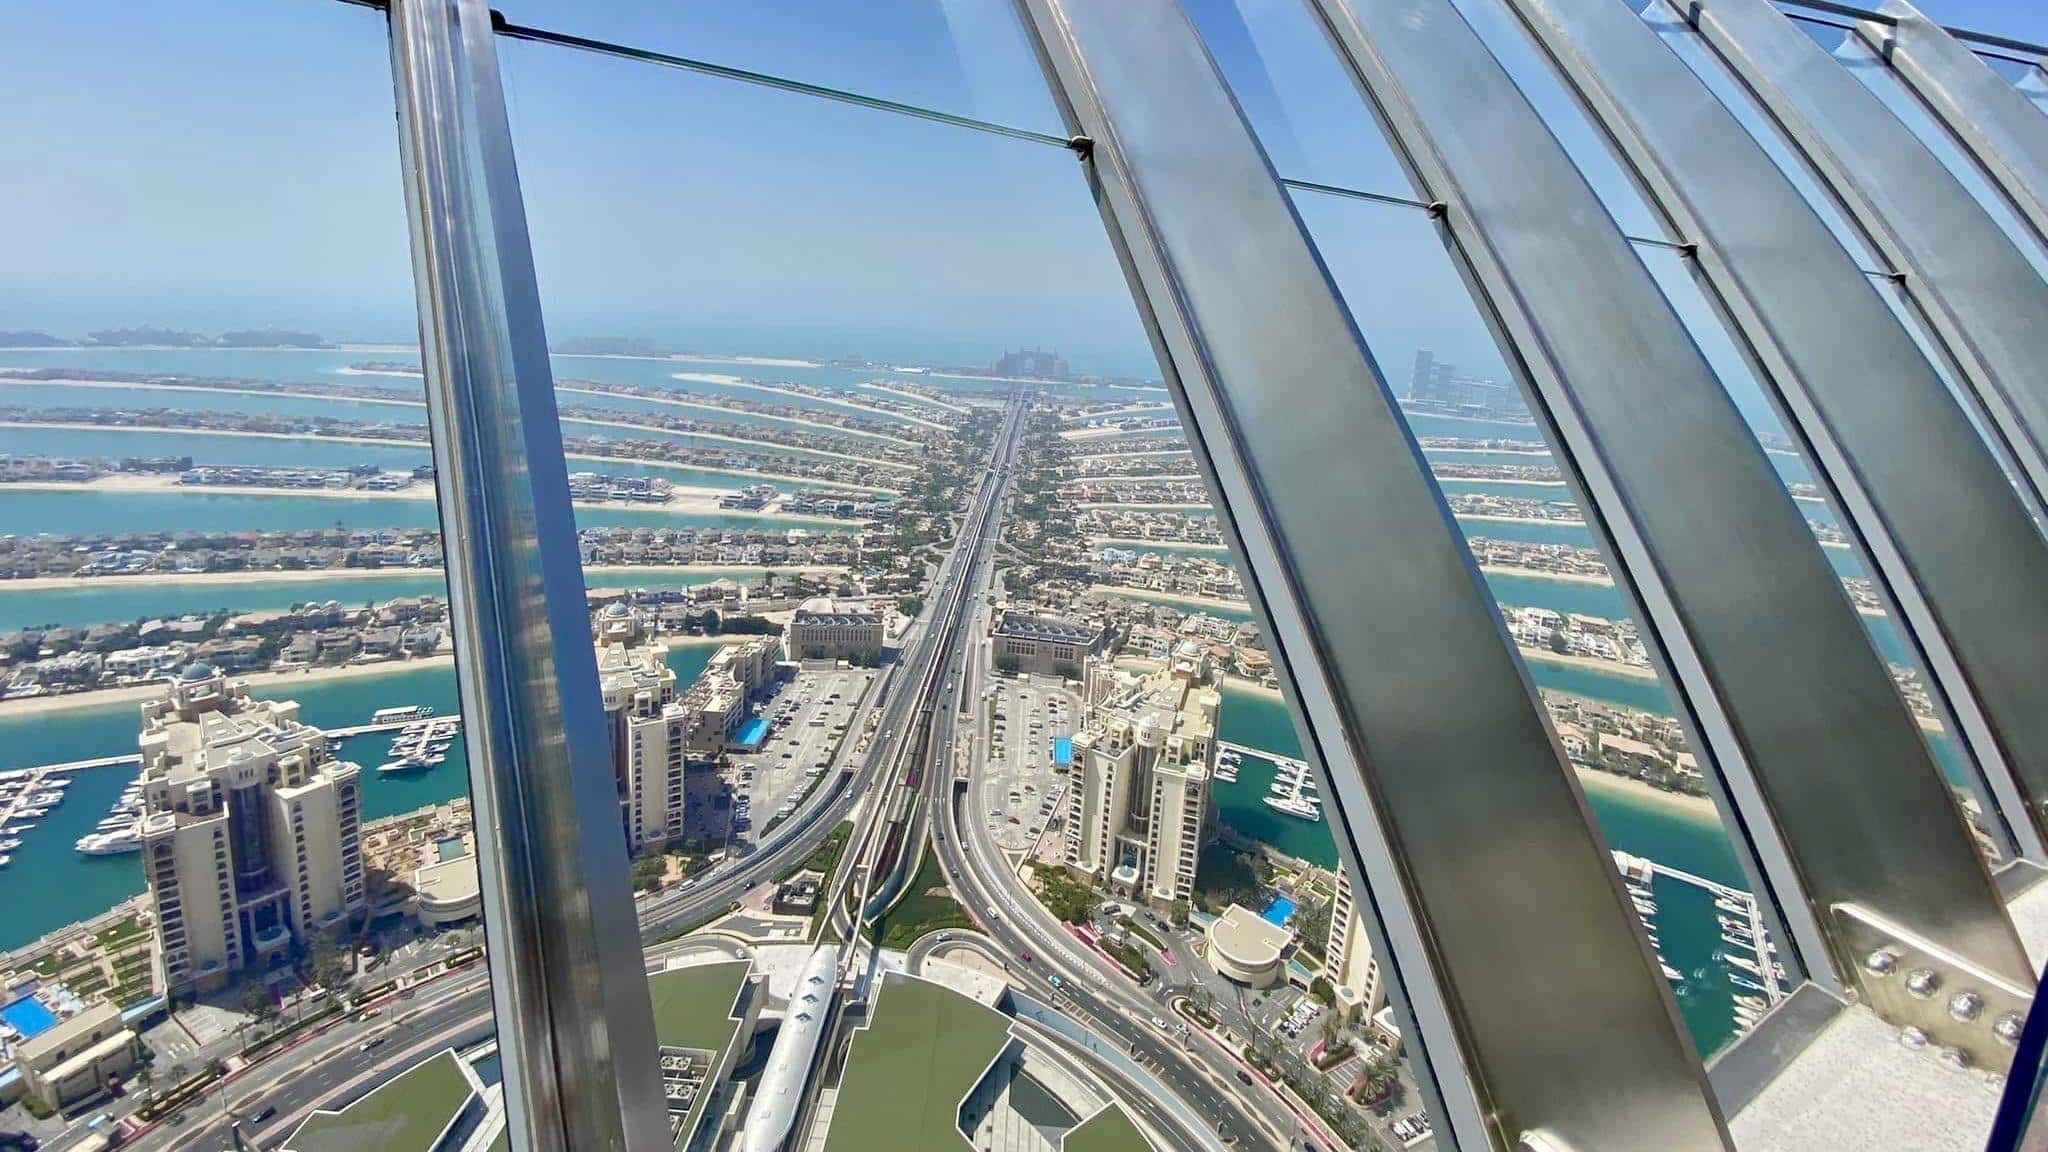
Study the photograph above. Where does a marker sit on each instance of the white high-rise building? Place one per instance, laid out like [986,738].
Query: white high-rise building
[1348,962]
[1142,765]
[251,833]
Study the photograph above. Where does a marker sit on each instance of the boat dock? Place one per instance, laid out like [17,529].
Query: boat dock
[1751,914]
[1287,762]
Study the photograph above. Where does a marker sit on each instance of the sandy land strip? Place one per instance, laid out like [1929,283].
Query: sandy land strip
[1476,420]
[683,501]
[215,389]
[729,413]
[1588,663]
[1535,574]
[1216,603]
[1133,455]
[421,445]
[344,346]
[1154,507]
[1132,542]
[913,397]
[1076,435]
[1135,478]
[394,373]
[1699,808]
[1481,518]
[749,361]
[1498,480]
[776,390]
[1537,453]
[704,573]
[769,446]
[1131,410]
[39,705]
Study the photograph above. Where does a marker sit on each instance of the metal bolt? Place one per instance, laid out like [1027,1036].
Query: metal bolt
[1880,962]
[1955,1058]
[1964,1006]
[1923,982]
[1911,1037]
[2008,1028]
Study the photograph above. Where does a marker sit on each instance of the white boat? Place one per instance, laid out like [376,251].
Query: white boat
[404,712]
[31,812]
[116,823]
[110,843]
[1670,973]
[48,799]
[5,861]
[403,764]
[1300,807]
[10,844]
[1226,772]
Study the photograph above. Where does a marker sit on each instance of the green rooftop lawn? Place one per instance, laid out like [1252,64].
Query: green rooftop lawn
[693,1009]
[693,1006]
[406,1114]
[909,1069]
[1109,1130]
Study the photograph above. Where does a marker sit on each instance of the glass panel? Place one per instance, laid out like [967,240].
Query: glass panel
[1583,140]
[1297,95]
[209,405]
[903,281]
[965,57]
[1862,61]
[1572,625]
[1732,366]
[1689,47]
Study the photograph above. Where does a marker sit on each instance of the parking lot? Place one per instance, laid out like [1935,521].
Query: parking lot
[808,722]
[1020,785]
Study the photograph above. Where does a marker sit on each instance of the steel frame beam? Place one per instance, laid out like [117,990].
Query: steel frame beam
[1824,782]
[1481,877]
[1980,295]
[568,985]
[1993,119]
[1949,544]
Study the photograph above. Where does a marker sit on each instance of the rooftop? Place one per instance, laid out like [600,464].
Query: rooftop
[908,1071]
[694,1008]
[1109,1130]
[826,610]
[1248,939]
[1048,629]
[411,1112]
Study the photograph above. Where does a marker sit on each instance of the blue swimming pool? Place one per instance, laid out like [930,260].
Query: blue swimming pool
[1278,912]
[28,1017]
[752,733]
[1062,750]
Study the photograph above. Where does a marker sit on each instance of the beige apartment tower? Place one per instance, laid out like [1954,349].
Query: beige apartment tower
[251,831]
[1142,765]
[1348,962]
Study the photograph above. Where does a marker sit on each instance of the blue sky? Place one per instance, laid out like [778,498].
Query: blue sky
[219,163]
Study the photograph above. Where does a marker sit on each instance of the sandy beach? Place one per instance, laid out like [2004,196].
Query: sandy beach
[752,361]
[777,390]
[1134,455]
[1537,574]
[1533,453]
[683,500]
[769,446]
[1073,435]
[1499,480]
[1699,808]
[215,389]
[1132,542]
[1590,664]
[1132,410]
[730,413]
[934,401]
[388,442]
[1476,517]
[41,705]
[591,575]
[1211,602]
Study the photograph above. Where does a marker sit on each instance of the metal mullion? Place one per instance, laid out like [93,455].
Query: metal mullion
[1898,455]
[1428,737]
[1817,765]
[574,1018]
[2004,133]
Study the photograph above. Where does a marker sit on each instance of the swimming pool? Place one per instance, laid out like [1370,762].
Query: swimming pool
[1062,750]
[449,848]
[1278,912]
[752,733]
[28,1017]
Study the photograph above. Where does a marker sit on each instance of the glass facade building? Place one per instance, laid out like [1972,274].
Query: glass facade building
[1551,494]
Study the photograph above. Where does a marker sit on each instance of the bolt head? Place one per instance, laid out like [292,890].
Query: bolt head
[1965,1006]
[1880,962]
[1955,1058]
[2008,1027]
[1913,1038]
[1923,982]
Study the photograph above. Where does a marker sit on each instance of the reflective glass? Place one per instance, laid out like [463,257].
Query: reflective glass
[887,287]
[1575,630]
[235,839]
[964,57]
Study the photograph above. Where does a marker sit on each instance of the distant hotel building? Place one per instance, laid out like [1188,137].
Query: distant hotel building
[1142,766]
[657,735]
[1435,382]
[1034,364]
[1044,645]
[1348,962]
[826,629]
[251,833]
